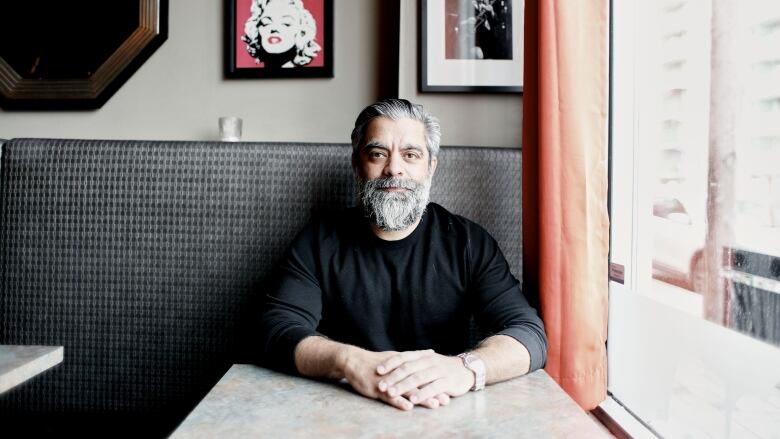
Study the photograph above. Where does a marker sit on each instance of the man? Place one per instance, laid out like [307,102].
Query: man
[382,295]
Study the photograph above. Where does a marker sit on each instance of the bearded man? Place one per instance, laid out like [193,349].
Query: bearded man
[382,295]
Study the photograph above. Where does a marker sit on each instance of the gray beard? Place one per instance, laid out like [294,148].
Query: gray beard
[393,211]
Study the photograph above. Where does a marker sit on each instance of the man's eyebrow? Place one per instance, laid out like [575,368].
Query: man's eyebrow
[377,144]
[374,144]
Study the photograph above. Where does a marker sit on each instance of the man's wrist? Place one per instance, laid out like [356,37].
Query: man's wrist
[469,379]
[345,358]
[318,356]
[476,367]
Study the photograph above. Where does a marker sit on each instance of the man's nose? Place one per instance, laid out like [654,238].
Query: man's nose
[394,166]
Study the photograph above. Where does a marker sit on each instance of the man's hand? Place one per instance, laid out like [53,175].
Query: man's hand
[319,357]
[404,379]
[421,375]
[360,370]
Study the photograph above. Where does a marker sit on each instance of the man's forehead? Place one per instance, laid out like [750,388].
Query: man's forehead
[382,130]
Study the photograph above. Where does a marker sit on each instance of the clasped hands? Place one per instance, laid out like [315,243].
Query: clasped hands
[406,379]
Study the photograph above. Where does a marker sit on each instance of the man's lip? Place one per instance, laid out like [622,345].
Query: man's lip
[273,39]
[394,189]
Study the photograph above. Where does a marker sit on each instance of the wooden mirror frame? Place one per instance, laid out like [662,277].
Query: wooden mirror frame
[21,93]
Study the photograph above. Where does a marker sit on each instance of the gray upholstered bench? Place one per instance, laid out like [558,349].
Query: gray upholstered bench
[146,259]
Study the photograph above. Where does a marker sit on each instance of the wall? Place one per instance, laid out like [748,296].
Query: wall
[466,119]
[179,92]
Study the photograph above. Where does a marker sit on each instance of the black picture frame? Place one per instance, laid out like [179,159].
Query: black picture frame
[450,62]
[80,72]
[236,54]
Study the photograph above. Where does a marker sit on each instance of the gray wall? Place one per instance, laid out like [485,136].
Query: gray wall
[466,119]
[179,92]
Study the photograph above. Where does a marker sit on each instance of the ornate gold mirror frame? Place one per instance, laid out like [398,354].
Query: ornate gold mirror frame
[88,90]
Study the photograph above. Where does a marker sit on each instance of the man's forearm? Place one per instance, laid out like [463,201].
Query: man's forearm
[504,358]
[319,357]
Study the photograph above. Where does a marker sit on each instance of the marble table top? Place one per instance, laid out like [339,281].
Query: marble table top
[250,401]
[20,363]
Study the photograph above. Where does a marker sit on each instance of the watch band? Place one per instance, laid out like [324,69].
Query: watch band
[476,365]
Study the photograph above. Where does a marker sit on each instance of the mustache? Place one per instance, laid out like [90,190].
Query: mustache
[403,183]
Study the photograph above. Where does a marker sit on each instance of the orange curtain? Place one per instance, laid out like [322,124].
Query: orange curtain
[565,223]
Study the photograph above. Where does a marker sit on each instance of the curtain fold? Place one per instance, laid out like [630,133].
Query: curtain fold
[565,222]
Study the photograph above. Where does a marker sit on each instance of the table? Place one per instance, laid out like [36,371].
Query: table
[250,401]
[20,363]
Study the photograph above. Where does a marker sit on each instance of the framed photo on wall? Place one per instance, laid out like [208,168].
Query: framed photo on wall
[278,38]
[471,46]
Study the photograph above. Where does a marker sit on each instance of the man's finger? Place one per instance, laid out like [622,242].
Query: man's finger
[398,402]
[437,401]
[427,392]
[415,380]
[410,370]
[432,403]
[393,362]
[443,398]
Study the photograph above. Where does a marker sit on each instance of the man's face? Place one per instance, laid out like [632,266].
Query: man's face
[394,172]
[278,26]
[395,149]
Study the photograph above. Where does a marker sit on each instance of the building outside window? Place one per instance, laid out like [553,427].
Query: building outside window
[694,339]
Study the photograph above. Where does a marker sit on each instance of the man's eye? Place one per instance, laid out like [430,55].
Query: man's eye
[376,154]
[412,155]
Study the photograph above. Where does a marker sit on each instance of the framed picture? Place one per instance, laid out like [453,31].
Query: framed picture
[43,67]
[471,46]
[279,38]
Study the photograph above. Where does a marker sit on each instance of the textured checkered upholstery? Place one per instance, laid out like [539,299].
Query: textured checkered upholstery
[145,259]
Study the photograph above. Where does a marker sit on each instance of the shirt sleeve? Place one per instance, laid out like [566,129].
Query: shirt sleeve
[501,306]
[293,303]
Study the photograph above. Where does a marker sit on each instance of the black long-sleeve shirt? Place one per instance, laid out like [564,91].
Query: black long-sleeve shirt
[339,280]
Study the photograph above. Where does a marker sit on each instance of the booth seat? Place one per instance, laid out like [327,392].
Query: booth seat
[146,261]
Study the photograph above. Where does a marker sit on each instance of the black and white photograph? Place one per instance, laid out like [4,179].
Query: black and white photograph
[471,46]
[479,29]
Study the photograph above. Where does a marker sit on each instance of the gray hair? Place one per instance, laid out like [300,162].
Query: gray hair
[396,109]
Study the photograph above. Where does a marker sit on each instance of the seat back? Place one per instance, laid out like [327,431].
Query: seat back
[145,259]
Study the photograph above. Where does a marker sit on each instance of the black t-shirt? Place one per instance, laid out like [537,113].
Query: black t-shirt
[340,280]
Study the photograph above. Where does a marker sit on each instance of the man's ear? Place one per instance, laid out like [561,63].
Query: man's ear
[434,162]
[355,168]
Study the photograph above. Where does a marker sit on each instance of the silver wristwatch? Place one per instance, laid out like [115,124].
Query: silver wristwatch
[476,365]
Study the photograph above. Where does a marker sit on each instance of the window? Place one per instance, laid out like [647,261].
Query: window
[694,341]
